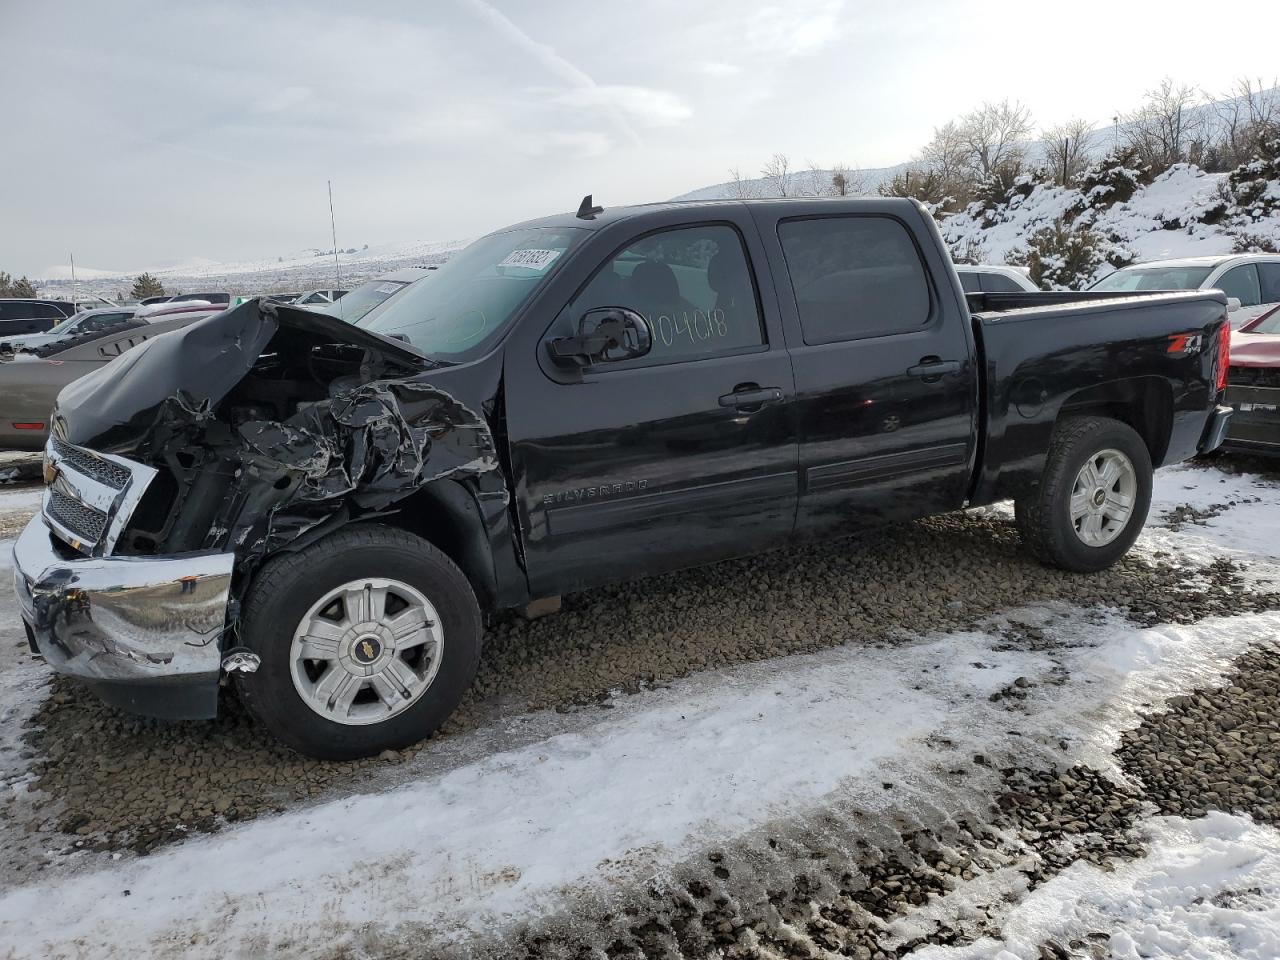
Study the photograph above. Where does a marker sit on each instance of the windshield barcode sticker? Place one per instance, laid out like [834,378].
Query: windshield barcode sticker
[530,259]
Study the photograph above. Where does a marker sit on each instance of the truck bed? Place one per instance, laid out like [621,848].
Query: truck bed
[1045,352]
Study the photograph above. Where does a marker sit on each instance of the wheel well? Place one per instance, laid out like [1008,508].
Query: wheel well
[445,514]
[1144,403]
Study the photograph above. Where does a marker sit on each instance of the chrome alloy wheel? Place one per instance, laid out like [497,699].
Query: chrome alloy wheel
[366,651]
[1103,496]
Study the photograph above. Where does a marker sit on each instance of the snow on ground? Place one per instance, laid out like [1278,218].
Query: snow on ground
[508,834]
[20,501]
[515,820]
[1207,889]
[1249,524]
[1180,194]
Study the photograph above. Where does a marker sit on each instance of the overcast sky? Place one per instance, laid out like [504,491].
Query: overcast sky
[144,132]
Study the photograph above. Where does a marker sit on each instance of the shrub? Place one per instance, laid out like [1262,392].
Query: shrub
[1115,178]
[1063,256]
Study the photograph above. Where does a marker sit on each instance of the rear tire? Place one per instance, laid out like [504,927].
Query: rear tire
[367,641]
[1093,497]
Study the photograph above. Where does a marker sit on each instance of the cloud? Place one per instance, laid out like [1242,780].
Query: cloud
[795,30]
[655,108]
[579,143]
[281,100]
[718,69]
[550,59]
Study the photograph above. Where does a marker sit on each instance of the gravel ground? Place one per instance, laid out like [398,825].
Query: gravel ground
[127,782]
[826,891]
[833,885]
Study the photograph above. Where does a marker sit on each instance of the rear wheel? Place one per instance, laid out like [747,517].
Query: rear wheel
[367,641]
[1093,497]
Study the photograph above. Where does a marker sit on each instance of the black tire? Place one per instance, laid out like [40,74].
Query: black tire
[284,591]
[1044,517]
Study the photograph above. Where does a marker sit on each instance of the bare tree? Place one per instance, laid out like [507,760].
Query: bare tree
[947,154]
[778,172]
[995,136]
[1066,149]
[847,181]
[1166,129]
[1243,115]
[740,189]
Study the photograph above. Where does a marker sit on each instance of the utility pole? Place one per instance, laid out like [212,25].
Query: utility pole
[1066,152]
[337,272]
[73,279]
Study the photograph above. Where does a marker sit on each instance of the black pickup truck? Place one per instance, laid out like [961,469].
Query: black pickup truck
[319,511]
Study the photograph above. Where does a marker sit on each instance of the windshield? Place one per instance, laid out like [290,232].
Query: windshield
[67,324]
[1267,323]
[471,297]
[1154,278]
[361,300]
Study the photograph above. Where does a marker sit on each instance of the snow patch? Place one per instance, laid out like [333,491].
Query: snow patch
[1207,889]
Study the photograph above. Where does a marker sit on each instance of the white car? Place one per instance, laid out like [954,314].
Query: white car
[83,322]
[994,278]
[353,306]
[1251,278]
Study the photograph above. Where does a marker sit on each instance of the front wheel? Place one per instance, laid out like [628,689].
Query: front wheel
[367,641]
[1093,497]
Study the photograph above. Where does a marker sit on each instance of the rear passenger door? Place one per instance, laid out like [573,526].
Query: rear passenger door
[682,456]
[885,383]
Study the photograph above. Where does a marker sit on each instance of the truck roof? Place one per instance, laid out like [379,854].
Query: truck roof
[611,215]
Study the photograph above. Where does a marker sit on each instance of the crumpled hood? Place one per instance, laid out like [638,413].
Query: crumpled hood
[114,407]
[1255,350]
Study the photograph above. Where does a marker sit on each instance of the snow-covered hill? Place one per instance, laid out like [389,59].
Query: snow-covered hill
[303,270]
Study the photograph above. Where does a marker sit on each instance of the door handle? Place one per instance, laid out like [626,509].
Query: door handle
[751,396]
[930,368]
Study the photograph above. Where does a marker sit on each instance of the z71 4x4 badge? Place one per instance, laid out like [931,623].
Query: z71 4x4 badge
[581,494]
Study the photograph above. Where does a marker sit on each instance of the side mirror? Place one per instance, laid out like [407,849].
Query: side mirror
[1233,304]
[605,335]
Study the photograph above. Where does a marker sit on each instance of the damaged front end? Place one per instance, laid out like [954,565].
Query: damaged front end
[181,467]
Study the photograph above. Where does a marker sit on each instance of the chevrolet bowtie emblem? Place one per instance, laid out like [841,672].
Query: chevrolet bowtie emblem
[367,649]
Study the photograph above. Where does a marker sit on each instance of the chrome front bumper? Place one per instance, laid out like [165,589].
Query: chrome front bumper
[143,632]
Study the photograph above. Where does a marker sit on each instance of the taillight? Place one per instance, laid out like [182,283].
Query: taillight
[1224,354]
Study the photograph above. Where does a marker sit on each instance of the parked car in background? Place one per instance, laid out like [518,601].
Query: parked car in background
[19,316]
[1253,386]
[217,298]
[355,304]
[1251,278]
[318,297]
[78,323]
[994,278]
[31,379]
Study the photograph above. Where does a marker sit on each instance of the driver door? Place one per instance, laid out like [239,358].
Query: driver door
[679,457]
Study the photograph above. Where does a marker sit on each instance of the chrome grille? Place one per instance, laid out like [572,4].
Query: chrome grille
[78,518]
[91,465]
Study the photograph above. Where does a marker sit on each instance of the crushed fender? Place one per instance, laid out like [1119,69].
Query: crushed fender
[268,421]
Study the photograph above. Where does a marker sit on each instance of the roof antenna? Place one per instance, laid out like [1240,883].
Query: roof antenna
[586,211]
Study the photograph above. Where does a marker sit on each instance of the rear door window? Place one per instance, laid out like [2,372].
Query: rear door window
[1241,283]
[1269,282]
[855,277]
